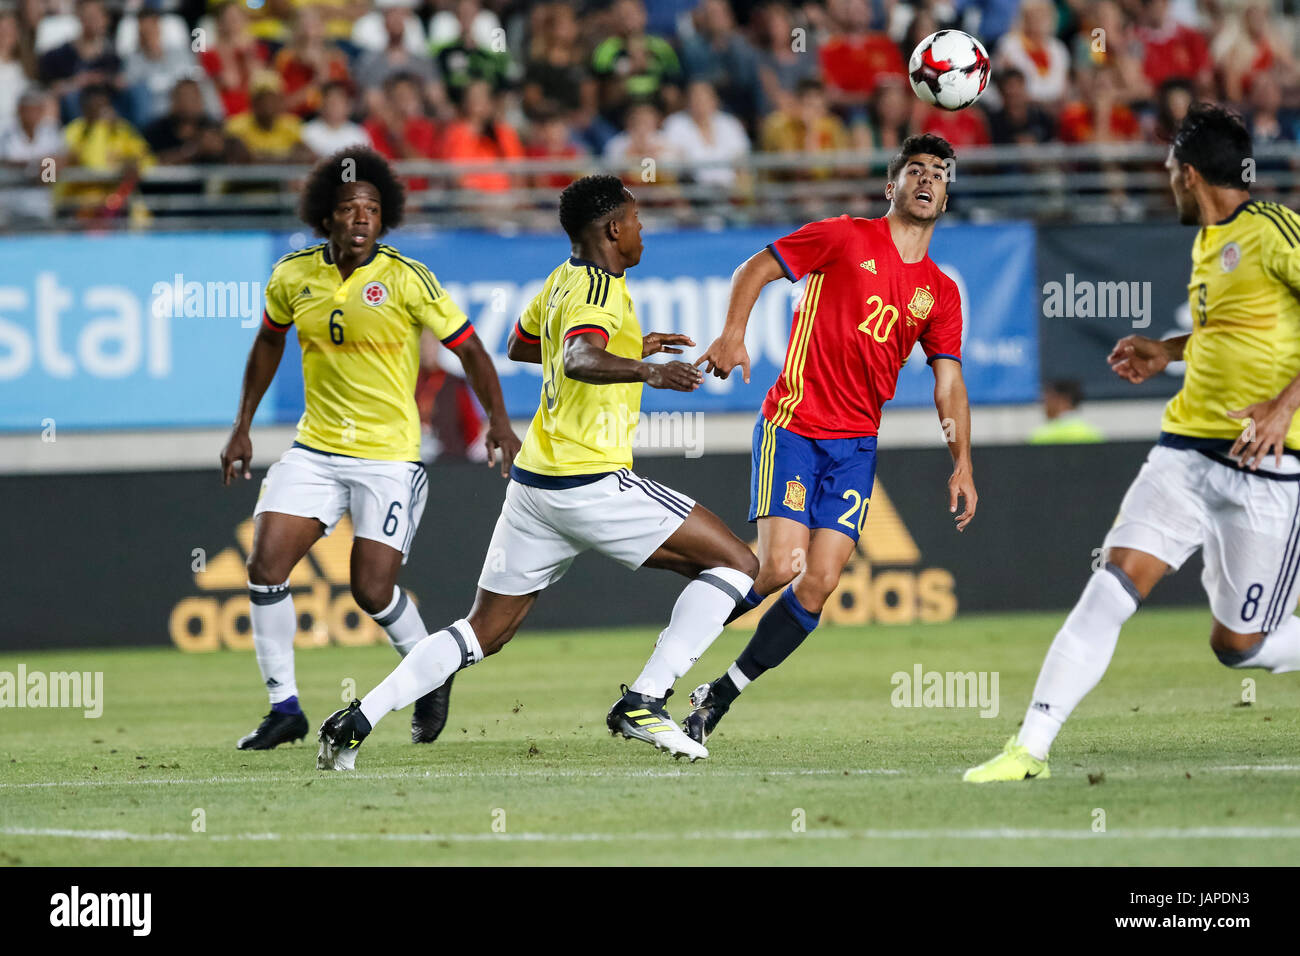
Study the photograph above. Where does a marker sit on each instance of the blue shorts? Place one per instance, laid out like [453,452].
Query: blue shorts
[822,483]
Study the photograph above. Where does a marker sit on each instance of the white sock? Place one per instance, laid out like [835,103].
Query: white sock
[424,669]
[737,677]
[274,625]
[401,621]
[1078,656]
[1278,652]
[701,609]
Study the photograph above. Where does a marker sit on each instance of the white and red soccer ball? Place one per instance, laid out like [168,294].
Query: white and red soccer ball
[949,69]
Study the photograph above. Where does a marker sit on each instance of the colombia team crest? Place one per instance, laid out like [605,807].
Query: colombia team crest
[794,495]
[922,302]
[374,293]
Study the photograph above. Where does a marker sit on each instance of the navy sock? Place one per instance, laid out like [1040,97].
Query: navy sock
[750,601]
[781,630]
[287,706]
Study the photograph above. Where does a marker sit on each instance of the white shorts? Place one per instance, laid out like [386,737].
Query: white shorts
[385,498]
[1248,526]
[541,530]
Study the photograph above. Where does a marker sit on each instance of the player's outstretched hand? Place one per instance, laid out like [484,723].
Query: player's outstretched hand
[238,451]
[723,356]
[1136,358]
[657,342]
[962,485]
[677,376]
[1266,426]
[501,436]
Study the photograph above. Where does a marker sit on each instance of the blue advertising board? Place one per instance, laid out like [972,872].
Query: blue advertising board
[153,330]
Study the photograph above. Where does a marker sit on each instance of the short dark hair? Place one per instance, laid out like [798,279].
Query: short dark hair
[1215,142]
[1071,389]
[589,200]
[320,193]
[915,145]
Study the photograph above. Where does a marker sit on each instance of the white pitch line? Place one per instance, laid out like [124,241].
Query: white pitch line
[1283,767]
[1004,833]
[450,774]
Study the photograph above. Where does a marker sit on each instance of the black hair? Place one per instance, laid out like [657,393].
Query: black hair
[320,192]
[589,200]
[1215,142]
[1068,388]
[915,145]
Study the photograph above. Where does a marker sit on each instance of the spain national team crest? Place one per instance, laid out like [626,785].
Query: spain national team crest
[374,293]
[795,493]
[1230,257]
[922,302]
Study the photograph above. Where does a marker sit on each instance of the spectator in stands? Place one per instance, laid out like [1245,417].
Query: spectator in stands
[32,144]
[552,139]
[268,132]
[1020,120]
[703,134]
[13,76]
[1033,49]
[153,70]
[1266,121]
[232,58]
[29,17]
[480,136]
[466,60]
[855,58]
[188,134]
[556,77]
[374,30]
[891,113]
[1250,45]
[806,126]
[1106,38]
[996,17]
[1171,49]
[398,127]
[634,66]
[785,58]
[102,141]
[1173,99]
[964,128]
[1065,424]
[89,60]
[376,66]
[1098,116]
[640,149]
[309,62]
[333,129]
[718,54]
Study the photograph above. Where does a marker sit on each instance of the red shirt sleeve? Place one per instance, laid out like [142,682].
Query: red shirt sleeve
[811,247]
[941,337]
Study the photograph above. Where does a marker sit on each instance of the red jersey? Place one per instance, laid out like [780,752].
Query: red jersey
[860,315]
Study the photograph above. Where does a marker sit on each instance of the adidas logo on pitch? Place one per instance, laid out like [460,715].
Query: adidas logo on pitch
[218,616]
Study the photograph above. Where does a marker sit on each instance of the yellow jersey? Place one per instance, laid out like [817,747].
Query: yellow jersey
[579,430]
[360,343]
[1245,341]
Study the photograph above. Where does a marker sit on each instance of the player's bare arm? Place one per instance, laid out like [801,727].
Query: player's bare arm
[482,375]
[728,349]
[517,350]
[263,359]
[1270,421]
[1135,358]
[665,342]
[953,405]
[587,360]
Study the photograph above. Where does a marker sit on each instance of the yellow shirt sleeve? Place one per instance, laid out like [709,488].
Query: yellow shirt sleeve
[529,327]
[431,307]
[278,316]
[590,318]
[1282,253]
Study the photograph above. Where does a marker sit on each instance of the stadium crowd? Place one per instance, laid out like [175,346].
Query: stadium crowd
[122,85]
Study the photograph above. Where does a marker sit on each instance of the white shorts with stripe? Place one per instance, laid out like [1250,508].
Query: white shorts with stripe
[541,530]
[1248,526]
[385,498]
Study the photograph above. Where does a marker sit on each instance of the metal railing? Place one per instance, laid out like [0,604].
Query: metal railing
[1054,182]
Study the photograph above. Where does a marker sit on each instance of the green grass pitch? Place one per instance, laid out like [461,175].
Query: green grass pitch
[526,773]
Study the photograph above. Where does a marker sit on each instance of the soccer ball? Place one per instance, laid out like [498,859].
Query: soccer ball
[949,69]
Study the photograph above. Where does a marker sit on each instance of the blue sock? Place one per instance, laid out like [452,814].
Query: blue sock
[287,706]
[750,601]
[781,630]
